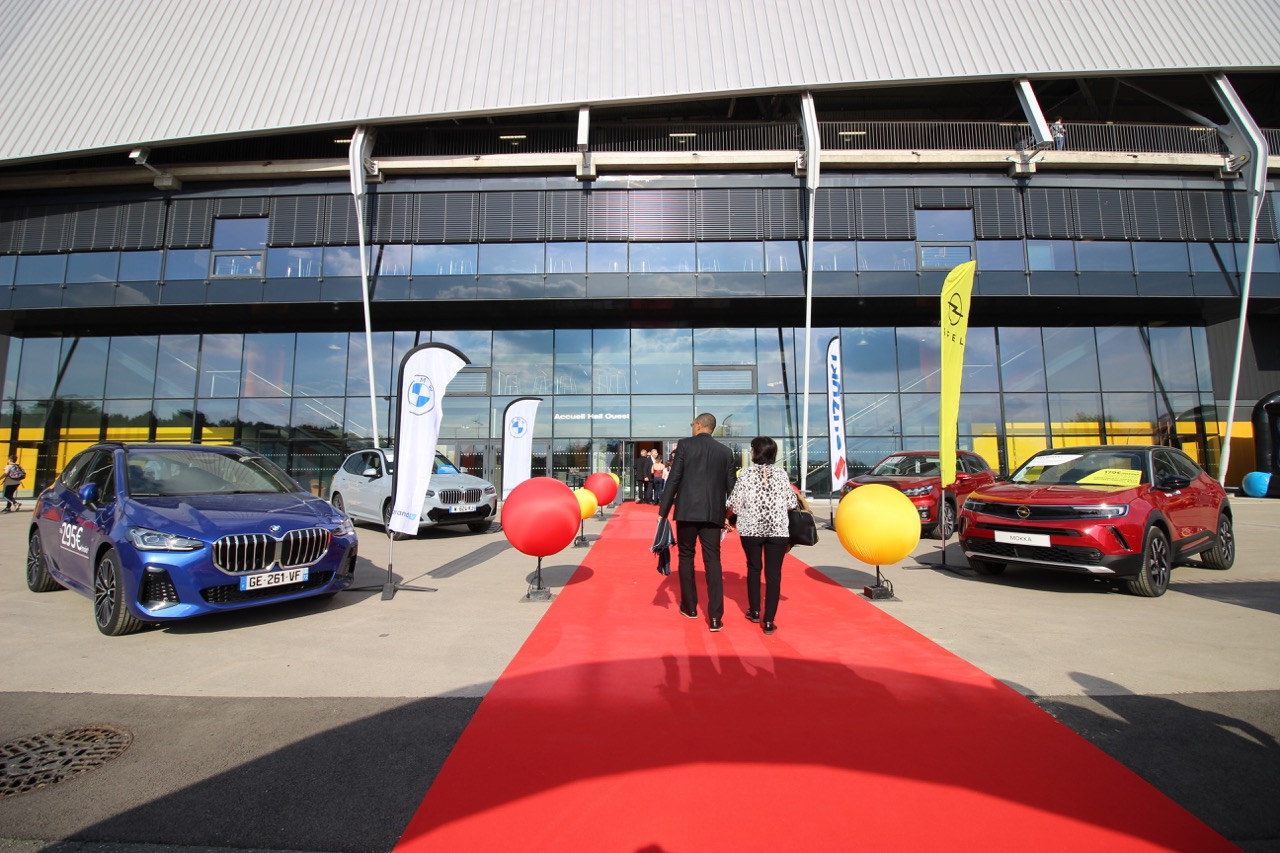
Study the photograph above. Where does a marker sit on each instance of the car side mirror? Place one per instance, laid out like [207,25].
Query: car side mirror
[371,473]
[89,493]
[1173,484]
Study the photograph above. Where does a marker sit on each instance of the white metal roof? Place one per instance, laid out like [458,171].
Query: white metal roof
[89,75]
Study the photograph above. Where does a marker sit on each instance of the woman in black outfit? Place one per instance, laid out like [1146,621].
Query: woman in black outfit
[760,499]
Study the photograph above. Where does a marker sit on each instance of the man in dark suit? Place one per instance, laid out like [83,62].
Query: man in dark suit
[644,478]
[702,475]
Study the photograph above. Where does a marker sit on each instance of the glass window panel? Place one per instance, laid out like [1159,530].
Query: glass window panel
[1266,257]
[176,365]
[1161,257]
[8,264]
[86,373]
[465,419]
[777,417]
[662,257]
[128,420]
[871,414]
[944,257]
[566,257]
[1071,359]
[1123,359]
[573,361]
[395,260]
[724,346]
[186,265]
[918,359]
[321,365]
[944,225]
[735,415]
[661,361]
[522,362]
[1000,255]
[230,265]
[141,266]
[235,234]
[661,415]
[174,419]
[775,360]
[730,257]
[216,422]
[358,417]
[870,359]
[1099,255]
[1021,360]
[1173,357]
[611,362]
[886,255]
[980,370]
[264,421]
[220,360]
[1075,419]
[358,365]
[611,416]
[979,414]
[571,416]
[41,358]
[1025,414]
[92,266]
[342,261]
[11,374]
[131,366]
[511,258]
[783,256]
[1130,417]
[920,414]
[1050,255]
[323,415]
[444,260]
[474,345]
[40,269]
[1213,257]
[268,365]
[607,257]
[294,262]
[835,256]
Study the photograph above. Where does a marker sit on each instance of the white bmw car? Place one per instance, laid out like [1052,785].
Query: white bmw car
[362,490]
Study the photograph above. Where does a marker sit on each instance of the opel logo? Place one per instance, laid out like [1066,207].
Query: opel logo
[1023,512]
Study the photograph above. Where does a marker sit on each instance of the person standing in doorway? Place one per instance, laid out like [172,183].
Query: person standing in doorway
[1058,131]
[760,500]
[659,473]
[644,478]
[702,475]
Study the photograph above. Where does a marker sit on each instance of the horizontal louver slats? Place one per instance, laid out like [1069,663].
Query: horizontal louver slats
[997,213]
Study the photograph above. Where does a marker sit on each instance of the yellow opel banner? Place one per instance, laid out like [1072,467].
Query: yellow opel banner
[956,291]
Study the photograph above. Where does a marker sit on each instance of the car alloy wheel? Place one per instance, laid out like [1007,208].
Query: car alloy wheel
[38,577]
[1157,565]
[1223,553]
[109,610]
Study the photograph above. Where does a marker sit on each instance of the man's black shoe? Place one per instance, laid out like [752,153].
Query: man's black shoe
[716,625]
[753,615]
[691,614]
[770,627]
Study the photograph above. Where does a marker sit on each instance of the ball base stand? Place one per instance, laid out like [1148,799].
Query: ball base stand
[882,590]
[581,541]
[537,592]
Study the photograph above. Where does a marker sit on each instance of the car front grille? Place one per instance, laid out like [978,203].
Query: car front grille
[460,496]
[232,594]
[254,552]
[1040,512]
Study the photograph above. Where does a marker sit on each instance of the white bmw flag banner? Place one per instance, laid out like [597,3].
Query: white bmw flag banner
[835,418]
[425,372]
[517,442]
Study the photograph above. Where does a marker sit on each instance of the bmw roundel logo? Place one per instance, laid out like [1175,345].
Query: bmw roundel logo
[420,395]
[274,528]
[518,427]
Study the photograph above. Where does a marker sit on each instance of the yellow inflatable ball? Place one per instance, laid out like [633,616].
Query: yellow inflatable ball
[587,502]
[877,524]
[617,481]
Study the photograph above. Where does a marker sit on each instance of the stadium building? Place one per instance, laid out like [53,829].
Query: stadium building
[637,211]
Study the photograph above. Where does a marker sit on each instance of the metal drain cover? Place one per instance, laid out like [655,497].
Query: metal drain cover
[37,761]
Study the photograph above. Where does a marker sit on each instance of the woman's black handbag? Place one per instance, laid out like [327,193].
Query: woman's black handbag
[801,528]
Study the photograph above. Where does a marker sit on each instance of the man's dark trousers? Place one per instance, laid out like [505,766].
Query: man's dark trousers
[687,534]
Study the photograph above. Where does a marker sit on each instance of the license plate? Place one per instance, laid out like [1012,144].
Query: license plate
[462,508]
[269,579]
[1010,537]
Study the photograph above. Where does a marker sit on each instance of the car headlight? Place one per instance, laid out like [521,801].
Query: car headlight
[155,540]
[917,491]
[1101,511]
[345,526]
[490,490]
[429,493]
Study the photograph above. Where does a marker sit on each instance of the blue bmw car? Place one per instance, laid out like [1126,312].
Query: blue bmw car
[158,532]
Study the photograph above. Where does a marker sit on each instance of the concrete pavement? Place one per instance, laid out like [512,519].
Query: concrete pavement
[318,726]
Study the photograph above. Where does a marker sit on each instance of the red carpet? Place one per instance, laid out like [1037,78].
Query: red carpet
[622,726]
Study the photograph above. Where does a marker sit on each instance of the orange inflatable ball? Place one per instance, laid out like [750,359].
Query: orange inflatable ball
[586,502]
[877,524]
[603,486]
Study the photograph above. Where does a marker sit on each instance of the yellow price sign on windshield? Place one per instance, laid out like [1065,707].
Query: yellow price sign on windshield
[1111,477]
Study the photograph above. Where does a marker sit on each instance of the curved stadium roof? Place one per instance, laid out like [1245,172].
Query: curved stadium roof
[84,76]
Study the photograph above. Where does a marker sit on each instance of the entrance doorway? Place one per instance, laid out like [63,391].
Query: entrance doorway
[636,488]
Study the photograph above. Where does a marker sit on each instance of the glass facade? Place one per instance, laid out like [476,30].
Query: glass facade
[303,398]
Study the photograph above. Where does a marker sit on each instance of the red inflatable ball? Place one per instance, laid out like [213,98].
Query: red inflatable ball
[541,516]
[603,486]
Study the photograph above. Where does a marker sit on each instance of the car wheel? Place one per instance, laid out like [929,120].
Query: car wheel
[1223,554]
[109,609]
[38,577]
[986,567]
[946,522]
[386,524]
[1157,565]
[339,504]
[478,526]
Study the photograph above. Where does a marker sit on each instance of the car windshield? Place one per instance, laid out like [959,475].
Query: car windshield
[442,465]
[172,473]
[906,466]
[1100,467]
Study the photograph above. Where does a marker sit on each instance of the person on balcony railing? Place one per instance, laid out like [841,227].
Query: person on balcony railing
[1059,133]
